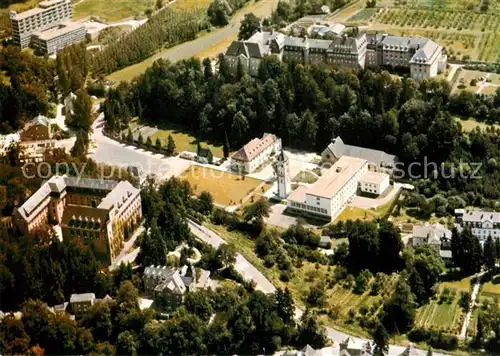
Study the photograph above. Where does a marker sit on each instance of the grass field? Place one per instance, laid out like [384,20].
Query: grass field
[491,288]
[362,15]
[111,10]
[184,141]
[471,124]
[460,285]
[226,188]
[114,10]
[353,213]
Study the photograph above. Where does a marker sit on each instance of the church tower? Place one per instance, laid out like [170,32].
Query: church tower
[282,170]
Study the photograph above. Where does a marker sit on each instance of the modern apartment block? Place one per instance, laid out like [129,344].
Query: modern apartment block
[53,40]
[47,27]
[100,213]
[421,56]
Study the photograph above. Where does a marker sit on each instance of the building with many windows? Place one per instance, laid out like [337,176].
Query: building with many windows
[55,39]
[100,213]
[481,223]
[255,153]
[331,192]
[47,27]
[422,57]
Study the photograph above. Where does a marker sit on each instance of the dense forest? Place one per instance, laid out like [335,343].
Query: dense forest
[243,321]
[26,87]
[308,106]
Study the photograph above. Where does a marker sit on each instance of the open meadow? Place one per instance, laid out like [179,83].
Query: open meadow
[226,188]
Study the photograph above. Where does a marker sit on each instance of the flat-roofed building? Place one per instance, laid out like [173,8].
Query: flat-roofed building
[255,153]
[332,191]
[100,213]
[46,15]
[374,182]
[55,39]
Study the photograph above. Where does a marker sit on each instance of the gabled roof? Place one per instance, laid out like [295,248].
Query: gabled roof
[173,284]
[83,297]
[237,48]
[119,195]
[433,233]
[255,147]
[38,120]
[338,148]
[481,216]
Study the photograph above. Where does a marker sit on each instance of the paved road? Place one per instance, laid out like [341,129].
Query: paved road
[262,8]
[247,270]
[475,292]
[117,154]
[125,257]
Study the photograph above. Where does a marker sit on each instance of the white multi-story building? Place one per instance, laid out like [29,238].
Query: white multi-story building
[481,223]
[374,182]
[422,57]
[329,195]
[46,15]
[47,27]
[255,153]
[55,39]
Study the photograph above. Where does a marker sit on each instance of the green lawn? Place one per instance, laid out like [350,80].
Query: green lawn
[362,15]
[491,288]
[353,213]
[471,124]
[184,141]
[111,10]
[226,188]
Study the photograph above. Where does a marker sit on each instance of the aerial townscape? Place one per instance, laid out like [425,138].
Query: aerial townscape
[248,177]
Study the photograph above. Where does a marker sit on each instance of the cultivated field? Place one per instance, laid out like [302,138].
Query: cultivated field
[461,26]
[226,188]
[441,314]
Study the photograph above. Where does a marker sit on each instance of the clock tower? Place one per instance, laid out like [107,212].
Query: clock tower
[282,170]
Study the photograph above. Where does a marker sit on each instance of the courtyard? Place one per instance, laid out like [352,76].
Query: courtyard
[226,188]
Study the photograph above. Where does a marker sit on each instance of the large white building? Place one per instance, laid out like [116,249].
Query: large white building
[55,39]
[374,183]
[481,223]
[329,195]
[422,57]
[255,153]
[47,27]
